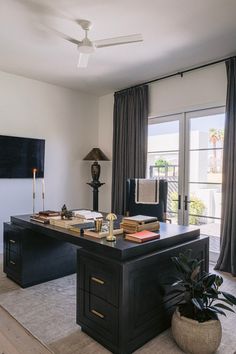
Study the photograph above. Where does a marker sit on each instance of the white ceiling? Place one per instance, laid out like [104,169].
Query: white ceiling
[177,34]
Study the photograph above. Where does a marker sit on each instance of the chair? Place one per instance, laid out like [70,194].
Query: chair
[158,210]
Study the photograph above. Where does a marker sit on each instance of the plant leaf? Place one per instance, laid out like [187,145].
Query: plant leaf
[219,280]
[178,282]
[210,280]
[226,301]
[222,306]
[198,303]
[217,310]
[229,297]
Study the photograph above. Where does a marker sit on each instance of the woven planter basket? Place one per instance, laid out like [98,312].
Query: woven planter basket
[195,337]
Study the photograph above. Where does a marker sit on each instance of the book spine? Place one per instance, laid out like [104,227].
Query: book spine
[152,226]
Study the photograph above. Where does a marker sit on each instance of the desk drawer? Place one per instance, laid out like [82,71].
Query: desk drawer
[99,278]
[12,261]
[98,315]
[12,238]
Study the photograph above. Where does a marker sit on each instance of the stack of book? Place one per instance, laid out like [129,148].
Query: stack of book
[49,213]
[87,214]
[45,216]
[137,223]
[142,236]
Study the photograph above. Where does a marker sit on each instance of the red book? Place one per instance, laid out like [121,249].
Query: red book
[142,236]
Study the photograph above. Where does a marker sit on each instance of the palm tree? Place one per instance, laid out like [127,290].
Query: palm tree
[215,136]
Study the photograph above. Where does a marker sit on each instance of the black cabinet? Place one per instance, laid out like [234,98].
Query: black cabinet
[31,258]
[124,304]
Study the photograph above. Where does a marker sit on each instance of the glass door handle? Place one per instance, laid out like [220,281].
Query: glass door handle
[186,201]
[178,200]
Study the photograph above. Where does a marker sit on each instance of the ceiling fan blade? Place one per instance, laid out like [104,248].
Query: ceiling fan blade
[83,60]
[118,40]
[64,36]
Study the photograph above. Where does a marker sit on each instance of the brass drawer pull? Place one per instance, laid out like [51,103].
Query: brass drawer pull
[99,281]
[97,313]
[12,241]
[12,262]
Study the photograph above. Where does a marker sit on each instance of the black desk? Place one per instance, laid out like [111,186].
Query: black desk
[122,295]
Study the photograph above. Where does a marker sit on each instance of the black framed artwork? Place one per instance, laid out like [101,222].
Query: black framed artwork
[19,156]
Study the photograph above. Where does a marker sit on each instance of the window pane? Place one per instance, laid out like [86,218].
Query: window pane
[163,165]
[206,166]
[207,132]
[163,136]
[205,200]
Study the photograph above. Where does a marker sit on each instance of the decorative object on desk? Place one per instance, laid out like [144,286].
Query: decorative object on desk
[142,236]
[195,324]
[65,213]
[98,224]
[95,155]
[34,188]
[111,217]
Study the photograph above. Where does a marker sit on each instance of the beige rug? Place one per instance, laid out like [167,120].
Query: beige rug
[48,312]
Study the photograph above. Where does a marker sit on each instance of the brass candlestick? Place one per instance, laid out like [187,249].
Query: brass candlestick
[111,217]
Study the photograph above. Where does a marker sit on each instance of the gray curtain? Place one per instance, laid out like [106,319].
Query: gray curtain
[130,124]
[227,258]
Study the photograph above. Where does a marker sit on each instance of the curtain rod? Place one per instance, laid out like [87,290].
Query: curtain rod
[177,73]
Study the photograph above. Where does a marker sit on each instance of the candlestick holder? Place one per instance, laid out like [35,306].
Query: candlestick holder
[34,188]
[33,203]
[43,197]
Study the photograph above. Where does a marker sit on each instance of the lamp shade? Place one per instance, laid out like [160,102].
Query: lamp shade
[96,155]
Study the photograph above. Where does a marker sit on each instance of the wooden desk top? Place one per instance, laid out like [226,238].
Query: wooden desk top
[170,235]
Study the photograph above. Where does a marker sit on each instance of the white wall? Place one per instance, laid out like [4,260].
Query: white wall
[67,120]
[105,131]
[203,88]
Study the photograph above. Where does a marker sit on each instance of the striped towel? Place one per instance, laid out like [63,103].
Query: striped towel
[146,191]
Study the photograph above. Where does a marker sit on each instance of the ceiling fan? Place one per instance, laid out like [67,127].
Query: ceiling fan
[86,47]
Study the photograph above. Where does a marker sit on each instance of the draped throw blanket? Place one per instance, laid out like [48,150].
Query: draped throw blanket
[130,124]
[227,258]
[146,191]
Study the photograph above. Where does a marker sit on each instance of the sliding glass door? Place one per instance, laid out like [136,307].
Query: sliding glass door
[187,149]
[165,158]
[203,180]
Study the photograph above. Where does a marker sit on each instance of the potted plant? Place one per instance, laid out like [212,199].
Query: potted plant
[195,324]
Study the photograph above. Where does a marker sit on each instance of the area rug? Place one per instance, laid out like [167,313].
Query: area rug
[48,312]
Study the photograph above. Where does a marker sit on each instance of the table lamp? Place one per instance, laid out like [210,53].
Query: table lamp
[95,155]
